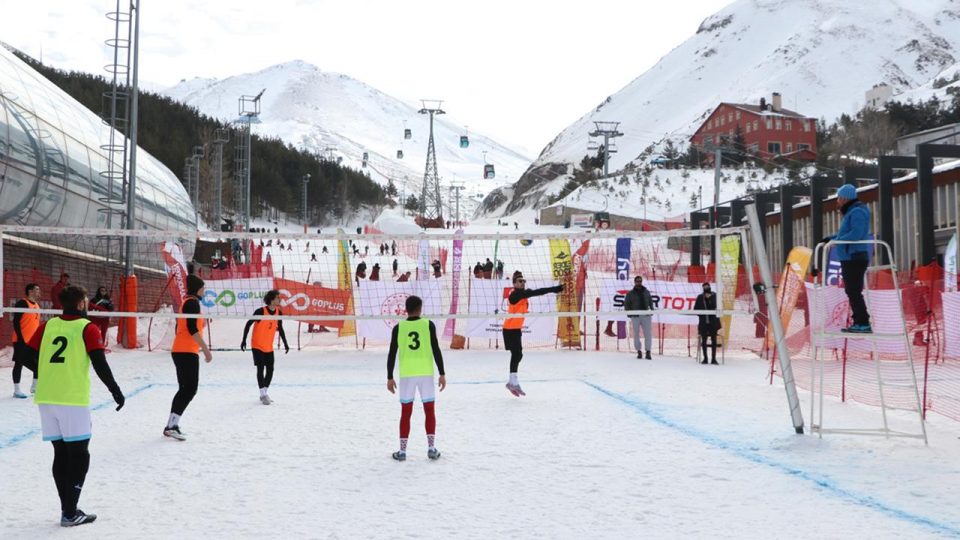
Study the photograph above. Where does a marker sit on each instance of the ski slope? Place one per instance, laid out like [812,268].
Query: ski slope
[603,446]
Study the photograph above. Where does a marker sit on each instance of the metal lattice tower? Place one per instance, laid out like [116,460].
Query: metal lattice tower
[431,205]
[607,130]
[220,137]
[249,110]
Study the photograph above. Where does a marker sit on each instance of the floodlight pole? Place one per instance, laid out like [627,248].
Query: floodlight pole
[303,214]
[132,173]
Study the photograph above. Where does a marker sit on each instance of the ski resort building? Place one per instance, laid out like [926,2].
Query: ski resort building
[768,130]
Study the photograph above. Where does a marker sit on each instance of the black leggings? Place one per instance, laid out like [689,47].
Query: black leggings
[264,363]
[71,461]
[188,377]
[20,353]
[512,342]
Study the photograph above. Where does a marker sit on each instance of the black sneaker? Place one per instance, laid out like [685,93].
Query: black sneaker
[648,356]
[715,363]
[400,456]
[78,518]
[703,362]
[639,355]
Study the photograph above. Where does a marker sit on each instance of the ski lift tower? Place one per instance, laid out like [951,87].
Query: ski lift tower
[431,210]
[607,130]
[249,109]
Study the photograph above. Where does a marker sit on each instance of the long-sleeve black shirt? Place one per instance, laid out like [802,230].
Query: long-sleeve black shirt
[517,295]
[263,311]
[192,306]
[394,345]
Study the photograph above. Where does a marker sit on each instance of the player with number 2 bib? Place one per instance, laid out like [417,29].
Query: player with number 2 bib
[66,346]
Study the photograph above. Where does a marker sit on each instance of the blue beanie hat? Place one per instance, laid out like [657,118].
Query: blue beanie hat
[847,191]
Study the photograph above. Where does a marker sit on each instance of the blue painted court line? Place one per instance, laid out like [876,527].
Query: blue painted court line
[17,439]
[822,482]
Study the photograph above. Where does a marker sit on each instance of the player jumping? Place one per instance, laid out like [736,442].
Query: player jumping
[417,356]
[513,326]
[187,343]
[264,334]
[65,347]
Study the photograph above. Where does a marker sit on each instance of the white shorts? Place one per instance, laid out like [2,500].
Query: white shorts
[409,386]
[68,423]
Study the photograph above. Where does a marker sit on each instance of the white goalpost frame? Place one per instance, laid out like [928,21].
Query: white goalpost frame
[821,253]
[773,310]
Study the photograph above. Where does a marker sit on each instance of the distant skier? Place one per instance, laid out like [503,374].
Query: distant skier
[414,343]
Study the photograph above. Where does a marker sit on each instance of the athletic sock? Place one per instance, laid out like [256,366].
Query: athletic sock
[16,388]
[513,379]
[174,420]
[263,392]
[403,445]
[33,387]
[430,439]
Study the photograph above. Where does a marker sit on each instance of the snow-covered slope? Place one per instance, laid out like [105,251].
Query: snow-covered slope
[821,55]
[316,110]
[943,86]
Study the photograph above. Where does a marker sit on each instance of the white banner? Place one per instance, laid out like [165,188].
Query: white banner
[665,295]
[830,309]
[234,296]
[950,266]
[951,325]
[490,296]
[388,298]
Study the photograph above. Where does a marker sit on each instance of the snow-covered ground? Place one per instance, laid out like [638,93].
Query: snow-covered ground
[603,446]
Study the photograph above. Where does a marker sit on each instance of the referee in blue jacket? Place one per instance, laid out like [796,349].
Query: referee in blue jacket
[853,258]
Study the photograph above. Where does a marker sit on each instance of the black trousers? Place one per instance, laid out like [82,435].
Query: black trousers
[264,363]
[188,378]
[20,354]
[853,273]
[71,461]
[712,336]
[512,341]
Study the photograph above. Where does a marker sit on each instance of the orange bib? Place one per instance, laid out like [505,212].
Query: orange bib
[264,333]
[29,322]
[516,323]
[183,342]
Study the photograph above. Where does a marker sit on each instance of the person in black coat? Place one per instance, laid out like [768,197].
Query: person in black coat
[709,325]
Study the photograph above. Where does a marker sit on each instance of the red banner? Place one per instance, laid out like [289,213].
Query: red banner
[176,271]
[302,299]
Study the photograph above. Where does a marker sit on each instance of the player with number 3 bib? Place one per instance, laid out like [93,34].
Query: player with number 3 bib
[414,341]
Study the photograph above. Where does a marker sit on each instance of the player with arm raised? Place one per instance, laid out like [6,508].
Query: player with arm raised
[513,326]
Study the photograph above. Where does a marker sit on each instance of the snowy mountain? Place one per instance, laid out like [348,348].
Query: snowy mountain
[821,55]
[317,111]
[943,87]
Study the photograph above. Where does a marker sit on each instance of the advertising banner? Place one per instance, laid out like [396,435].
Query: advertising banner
[562,270]
[234,296]
[791,284]
[388,298]
[665,295]
[623,274]
[345,284]
[449,328]
[951,325]
[298,298]
[176,269]
[581,220]
[729,269]
[490,297]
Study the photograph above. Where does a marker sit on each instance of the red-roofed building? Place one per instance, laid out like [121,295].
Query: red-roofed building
[769,131]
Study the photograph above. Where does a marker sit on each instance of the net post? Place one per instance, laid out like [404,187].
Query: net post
[783,354]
